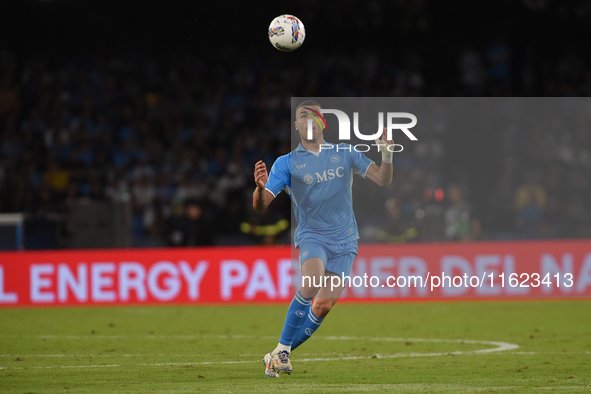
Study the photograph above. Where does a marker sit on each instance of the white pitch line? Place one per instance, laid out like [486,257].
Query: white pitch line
[338,356]
[500,346]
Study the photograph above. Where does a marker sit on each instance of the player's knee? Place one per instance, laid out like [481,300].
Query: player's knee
[321,308]
[310,285]
[309,292]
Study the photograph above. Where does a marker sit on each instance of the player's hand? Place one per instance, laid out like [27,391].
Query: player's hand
[384,145]
[260,174]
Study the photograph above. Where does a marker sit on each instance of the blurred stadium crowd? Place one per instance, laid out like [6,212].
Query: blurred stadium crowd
[177,134]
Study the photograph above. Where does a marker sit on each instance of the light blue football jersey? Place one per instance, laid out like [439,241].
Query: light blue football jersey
[319,185]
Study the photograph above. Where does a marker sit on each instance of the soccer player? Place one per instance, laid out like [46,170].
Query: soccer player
[318,178]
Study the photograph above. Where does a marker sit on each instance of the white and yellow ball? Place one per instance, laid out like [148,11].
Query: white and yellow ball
[287,33]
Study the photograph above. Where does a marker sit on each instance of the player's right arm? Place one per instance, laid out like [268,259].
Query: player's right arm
[261,197]
[269,185]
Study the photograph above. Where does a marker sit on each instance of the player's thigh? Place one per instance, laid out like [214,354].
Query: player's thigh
[312,277]
[340,262]
[313,267]
[313,258]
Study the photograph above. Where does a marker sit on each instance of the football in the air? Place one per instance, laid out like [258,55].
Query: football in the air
[287,33]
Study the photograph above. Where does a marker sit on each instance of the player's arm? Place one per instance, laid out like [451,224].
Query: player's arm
[382,175]
[261,197]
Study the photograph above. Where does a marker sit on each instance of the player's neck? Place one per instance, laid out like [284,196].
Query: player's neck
[312,146]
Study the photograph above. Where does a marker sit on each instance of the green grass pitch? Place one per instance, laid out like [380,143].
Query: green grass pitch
[405,347]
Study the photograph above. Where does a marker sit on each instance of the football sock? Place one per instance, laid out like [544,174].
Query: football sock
[307,329]
[296,316]
[296,339]
[281,348]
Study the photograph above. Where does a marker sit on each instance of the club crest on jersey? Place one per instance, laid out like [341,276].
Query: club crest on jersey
[308,179]
[335,158]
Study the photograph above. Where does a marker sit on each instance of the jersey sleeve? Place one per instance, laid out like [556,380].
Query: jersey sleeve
[360,163]
[279,176]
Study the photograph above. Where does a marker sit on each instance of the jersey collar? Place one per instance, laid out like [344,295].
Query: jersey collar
[300,148]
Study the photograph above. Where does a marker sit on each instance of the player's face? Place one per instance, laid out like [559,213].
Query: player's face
[301,123]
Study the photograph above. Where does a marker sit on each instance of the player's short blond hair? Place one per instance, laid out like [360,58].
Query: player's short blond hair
[308,103]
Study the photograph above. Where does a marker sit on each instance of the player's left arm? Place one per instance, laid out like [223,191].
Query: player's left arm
[382,175]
